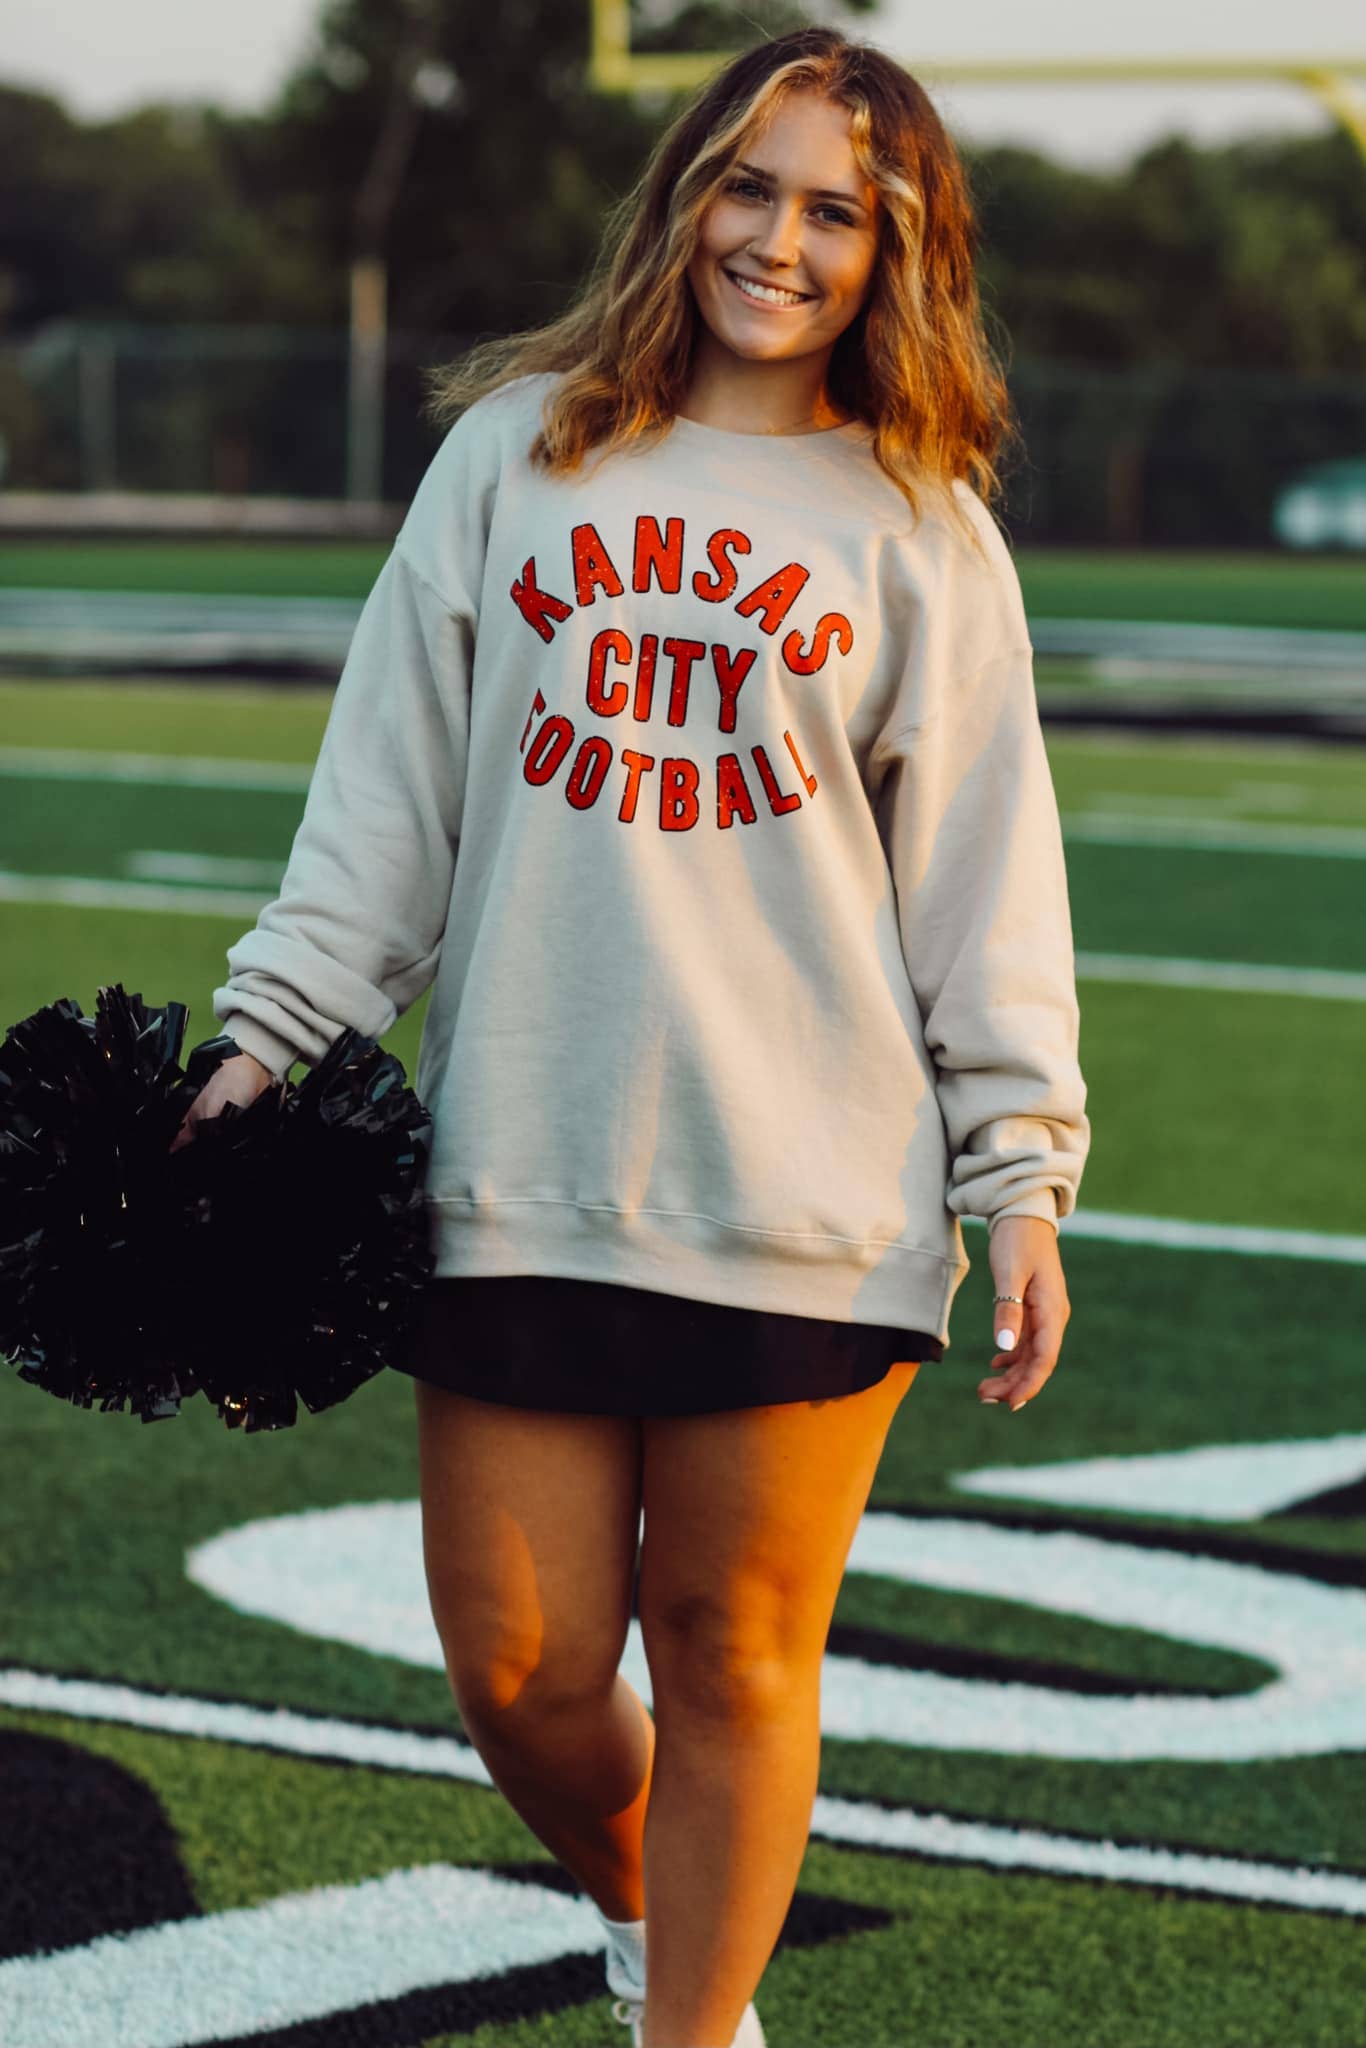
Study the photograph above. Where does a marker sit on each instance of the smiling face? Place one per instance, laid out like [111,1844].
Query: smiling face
[796,213]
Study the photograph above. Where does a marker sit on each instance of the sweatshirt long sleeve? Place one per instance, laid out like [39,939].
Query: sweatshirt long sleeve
[707,788]
[975,844]
[354,936]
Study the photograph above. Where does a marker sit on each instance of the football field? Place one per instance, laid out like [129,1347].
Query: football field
[1094,1703]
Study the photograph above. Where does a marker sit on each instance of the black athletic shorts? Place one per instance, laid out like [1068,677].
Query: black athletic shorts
[593,1347]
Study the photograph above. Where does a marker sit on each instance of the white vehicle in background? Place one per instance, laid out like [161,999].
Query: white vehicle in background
[1323,507]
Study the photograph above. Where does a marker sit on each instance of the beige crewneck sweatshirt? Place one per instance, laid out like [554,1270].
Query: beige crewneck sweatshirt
[709,790]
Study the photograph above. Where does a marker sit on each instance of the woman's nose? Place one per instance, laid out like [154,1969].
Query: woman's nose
[780,241]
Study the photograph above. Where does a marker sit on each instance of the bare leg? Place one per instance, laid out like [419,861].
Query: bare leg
[579,1776]
[529,1528]
[749,1519]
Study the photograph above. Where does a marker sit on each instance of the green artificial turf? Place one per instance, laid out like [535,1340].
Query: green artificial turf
[225,721]
[1212,1106]
[209,568]
[1250,587]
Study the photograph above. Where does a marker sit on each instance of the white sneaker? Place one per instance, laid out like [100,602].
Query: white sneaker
[631,2012]
[628,2008]
[749,2034]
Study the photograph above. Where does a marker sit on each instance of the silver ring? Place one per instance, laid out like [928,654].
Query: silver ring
[1009,1297]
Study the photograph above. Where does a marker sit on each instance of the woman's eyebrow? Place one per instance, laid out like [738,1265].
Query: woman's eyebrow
[849,198]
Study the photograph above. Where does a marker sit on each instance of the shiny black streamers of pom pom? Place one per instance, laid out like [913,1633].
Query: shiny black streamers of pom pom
[280,1256]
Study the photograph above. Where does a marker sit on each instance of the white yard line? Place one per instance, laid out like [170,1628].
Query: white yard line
[153,865]
[857,1823]
[1183,823]
[90,764]
[87,892]
[1213,746]
[1177,1233]
[326,1960]
[1194,834]
[1240,977]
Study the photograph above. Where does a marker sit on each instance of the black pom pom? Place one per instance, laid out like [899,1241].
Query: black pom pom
[279,1256]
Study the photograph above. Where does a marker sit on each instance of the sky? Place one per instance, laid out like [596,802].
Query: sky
[102,59]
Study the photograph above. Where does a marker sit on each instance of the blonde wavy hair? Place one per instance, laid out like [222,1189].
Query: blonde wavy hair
[914,365]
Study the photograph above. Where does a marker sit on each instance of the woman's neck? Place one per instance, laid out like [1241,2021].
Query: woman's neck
[760,398]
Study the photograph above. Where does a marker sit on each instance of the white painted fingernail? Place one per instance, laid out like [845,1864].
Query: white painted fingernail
[1005,1339]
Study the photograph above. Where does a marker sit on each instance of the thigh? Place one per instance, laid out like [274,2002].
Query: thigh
[530,1527]
[749,1519]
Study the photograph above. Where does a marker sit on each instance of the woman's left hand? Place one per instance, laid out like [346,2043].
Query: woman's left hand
[1025,1261]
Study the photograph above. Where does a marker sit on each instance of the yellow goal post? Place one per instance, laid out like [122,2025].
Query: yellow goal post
[613,66]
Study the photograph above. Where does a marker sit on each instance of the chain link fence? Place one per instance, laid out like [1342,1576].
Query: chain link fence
[1124,457]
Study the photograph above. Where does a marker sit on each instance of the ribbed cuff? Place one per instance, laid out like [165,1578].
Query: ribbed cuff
[260,1042]
[1043,1204]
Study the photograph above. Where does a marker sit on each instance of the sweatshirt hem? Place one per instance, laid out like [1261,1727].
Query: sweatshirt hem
[698,1257]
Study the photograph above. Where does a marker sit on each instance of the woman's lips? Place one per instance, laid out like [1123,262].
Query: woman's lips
[766,305]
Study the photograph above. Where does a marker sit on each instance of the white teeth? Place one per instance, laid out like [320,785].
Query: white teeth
[764,291]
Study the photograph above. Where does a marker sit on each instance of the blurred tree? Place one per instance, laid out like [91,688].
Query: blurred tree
[511,159]
[1252,253]
[139,217]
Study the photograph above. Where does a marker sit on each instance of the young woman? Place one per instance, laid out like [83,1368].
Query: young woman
[753,975]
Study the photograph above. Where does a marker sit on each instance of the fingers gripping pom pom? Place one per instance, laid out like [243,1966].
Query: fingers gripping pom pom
[279,1257]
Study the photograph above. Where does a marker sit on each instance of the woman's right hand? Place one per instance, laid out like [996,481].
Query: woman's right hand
[239,1078]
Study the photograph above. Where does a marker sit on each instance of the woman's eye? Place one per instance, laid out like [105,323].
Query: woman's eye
[752,185]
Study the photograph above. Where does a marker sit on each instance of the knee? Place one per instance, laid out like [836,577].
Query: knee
[728,1662]
[517,1679]
[509,1666]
